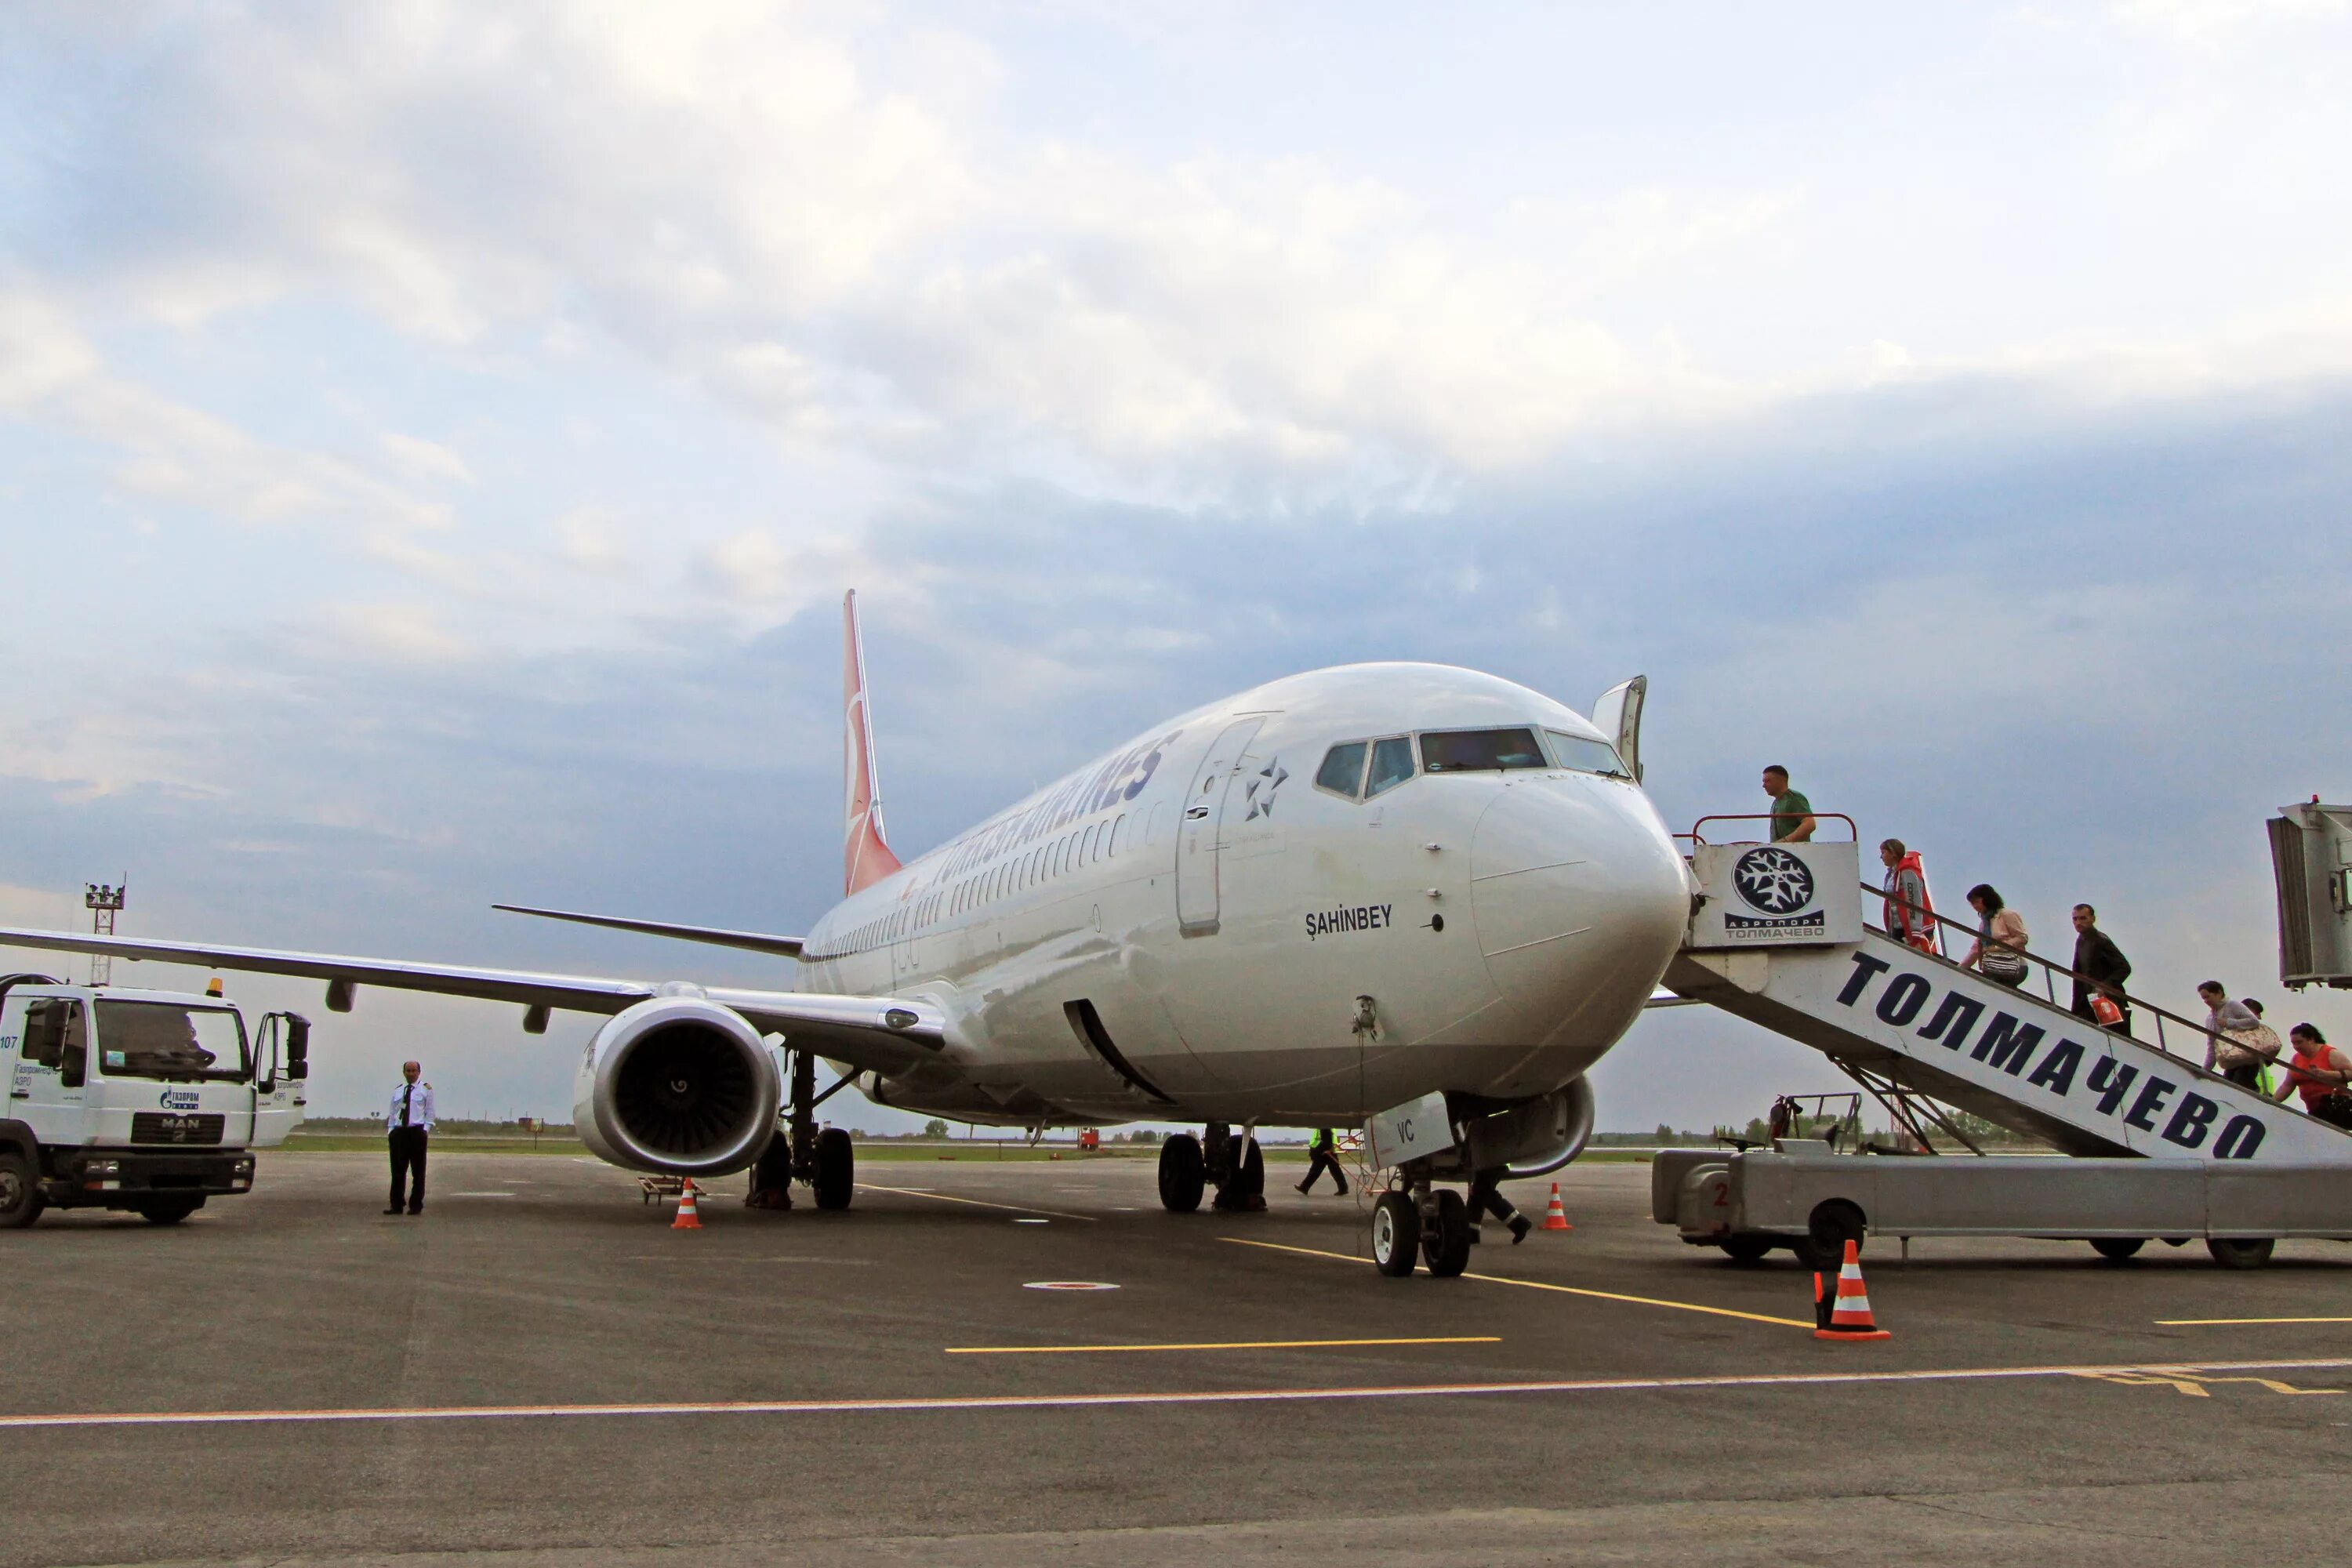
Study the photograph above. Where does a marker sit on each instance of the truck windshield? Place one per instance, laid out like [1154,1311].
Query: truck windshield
[170,1039]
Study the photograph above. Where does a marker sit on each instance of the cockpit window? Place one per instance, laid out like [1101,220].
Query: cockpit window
[1473,751]
[1342,771]
[1588,756]
[1391,764]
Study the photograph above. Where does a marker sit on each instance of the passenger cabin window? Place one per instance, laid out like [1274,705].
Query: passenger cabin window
[1588,756]
[1391,764]
[1480,751]
[1342,771]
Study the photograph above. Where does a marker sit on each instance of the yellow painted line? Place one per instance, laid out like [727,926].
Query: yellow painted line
[1563,1289]
[979,1202]
[1224,1345]
[1193,1397]
[2210,1322]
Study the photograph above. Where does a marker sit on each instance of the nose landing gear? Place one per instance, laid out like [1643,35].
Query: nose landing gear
[1433,1226]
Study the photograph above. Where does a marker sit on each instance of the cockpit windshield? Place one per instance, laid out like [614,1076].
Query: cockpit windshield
[1588,756]
[1473,751]
[169,1040]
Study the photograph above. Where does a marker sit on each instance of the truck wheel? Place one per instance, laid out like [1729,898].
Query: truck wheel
[167,1211]
[1182,1178]
[2116,1248]
[1832,1224]
[837,1169]
[2240,1254]
[1396,1234]
[20,1197]
[1446,1249]
[1747,1250]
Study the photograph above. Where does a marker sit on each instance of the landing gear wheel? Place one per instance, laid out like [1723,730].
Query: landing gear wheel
[20,1199]
[2116,1248]
[1446,1249]
[1244,1190]
[2240,1254]
[1831,1225]
[167,1211]
[1748,1250]
[1396,1234]
[837,1169]
[1182,1177]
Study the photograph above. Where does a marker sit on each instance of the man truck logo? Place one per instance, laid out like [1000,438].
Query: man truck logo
[1774,880]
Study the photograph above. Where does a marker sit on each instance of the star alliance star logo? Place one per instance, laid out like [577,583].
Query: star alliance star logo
[1261,785]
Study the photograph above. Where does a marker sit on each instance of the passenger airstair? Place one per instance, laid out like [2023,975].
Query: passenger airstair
[1778,939]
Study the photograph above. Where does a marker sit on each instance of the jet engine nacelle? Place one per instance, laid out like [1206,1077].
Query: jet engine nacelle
[1535,1137]
[677,1084]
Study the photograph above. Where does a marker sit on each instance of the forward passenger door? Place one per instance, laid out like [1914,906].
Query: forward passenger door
[1198,834]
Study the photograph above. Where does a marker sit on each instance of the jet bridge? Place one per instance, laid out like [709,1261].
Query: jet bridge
[2166,1147]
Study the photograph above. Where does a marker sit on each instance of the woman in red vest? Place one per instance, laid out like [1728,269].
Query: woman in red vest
[2320,1072]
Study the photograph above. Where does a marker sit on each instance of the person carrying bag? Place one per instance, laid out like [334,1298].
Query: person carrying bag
[2322,1075]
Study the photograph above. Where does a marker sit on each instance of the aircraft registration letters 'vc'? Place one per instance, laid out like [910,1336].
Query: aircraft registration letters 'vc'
[1150,937]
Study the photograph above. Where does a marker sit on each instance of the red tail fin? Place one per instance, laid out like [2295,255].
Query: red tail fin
[866,857]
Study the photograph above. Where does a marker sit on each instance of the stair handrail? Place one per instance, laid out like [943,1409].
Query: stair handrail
[1819,817]
[2052,969]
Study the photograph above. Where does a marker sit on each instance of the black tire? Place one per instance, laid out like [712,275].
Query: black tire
[1832,1224]
[168,1211]
[837,1169]
[1396,1234]
[1245,1189]
[20,1195]
[1749,1250]
[1446,1249]
[2117,1249]
[2238,1252]
[1182,1177]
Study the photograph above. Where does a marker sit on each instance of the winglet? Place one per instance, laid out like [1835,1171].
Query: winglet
[867,857]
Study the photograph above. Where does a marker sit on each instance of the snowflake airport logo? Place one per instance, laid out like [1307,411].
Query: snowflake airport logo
[1774,879]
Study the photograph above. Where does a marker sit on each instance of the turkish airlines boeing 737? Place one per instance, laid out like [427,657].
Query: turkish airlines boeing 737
[1333,895]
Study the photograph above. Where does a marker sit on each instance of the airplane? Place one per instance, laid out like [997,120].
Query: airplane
[1310,903]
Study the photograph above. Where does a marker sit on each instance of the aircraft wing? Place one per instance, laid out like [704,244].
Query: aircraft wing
[882,1032]
[1668,999]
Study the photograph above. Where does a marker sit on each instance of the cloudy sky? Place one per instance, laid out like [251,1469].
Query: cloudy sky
[433,440]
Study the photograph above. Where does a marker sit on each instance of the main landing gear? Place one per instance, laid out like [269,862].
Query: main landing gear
[825,1160]
[1233,1163]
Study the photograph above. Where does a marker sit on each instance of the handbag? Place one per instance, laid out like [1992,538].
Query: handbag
[2103,1009]
[2259,1044]
[2000,963]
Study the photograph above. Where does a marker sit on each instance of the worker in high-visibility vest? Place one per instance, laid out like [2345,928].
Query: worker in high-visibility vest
[1323,1154]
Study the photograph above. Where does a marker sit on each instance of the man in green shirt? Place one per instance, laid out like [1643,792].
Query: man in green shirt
[1793,814]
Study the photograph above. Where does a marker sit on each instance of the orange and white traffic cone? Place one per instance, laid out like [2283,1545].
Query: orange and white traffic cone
[1850,1316]
[1556,1217]
[687,1219]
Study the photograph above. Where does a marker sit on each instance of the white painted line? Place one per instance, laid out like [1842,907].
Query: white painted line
[976,1202]
[1212,1396]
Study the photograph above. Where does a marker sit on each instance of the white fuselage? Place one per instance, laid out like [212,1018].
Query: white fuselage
[1183,929]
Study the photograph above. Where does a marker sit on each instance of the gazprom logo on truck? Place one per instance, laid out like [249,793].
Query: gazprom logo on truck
[180,1100]
[1777,883]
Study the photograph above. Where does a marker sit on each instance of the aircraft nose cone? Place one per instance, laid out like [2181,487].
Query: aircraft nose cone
[1579,901]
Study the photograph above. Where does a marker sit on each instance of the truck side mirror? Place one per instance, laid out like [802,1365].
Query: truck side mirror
[297,1047]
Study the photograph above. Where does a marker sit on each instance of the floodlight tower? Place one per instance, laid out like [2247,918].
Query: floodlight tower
[104,903]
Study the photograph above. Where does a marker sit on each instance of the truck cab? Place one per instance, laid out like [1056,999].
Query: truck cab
[151,1101]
